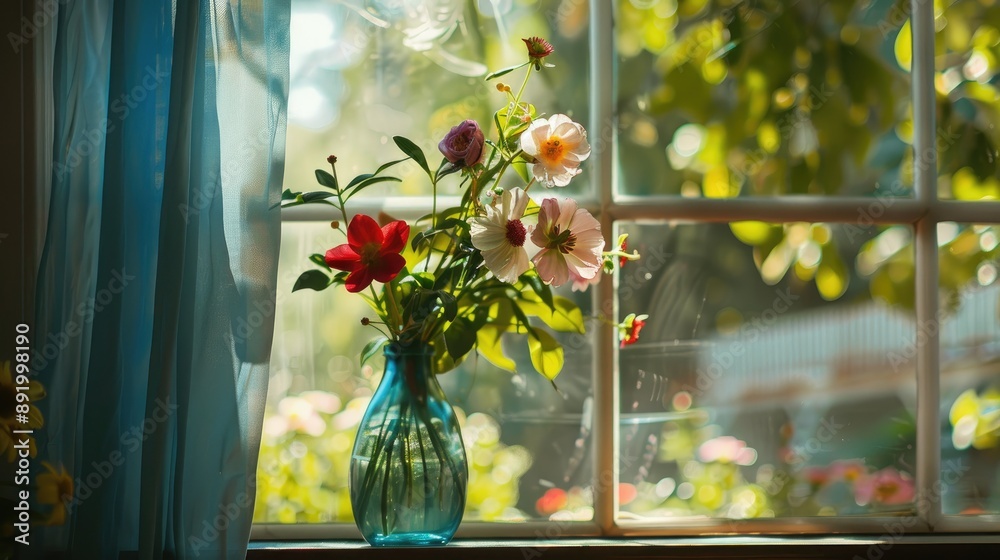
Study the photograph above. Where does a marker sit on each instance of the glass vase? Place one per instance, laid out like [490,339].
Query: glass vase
[408,467]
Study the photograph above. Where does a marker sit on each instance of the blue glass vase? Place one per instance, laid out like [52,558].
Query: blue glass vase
[408,468]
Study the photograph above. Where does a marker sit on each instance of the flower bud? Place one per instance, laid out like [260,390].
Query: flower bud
[463,145]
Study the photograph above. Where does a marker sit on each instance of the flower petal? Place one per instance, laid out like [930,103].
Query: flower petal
[343,257]
[497,259]
[551,267]
[395,235]
[358,280]
[487,234]
[529,142]
[515,203]
[363,229]
[387,267]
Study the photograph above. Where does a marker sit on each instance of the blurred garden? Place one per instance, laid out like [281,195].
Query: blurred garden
[714,99]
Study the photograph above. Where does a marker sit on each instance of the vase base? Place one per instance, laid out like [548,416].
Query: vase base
[409,539]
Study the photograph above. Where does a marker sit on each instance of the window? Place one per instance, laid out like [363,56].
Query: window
[815,202]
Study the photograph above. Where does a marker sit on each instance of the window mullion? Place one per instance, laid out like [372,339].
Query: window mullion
[399,207]
[928,324]
[861,211]
[605,373]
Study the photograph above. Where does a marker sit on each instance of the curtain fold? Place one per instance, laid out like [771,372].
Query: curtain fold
[157,278]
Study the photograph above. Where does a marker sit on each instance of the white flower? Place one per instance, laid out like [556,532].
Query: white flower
[500,235]
[558,145]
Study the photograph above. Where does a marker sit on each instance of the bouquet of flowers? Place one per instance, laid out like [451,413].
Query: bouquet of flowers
[455,281]
[461,277]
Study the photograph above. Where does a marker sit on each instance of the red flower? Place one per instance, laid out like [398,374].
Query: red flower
[552,501]
[628,330]
[538,48]
[371,253]
[623,260]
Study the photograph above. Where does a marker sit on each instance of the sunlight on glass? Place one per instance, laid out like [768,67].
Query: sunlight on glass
[970,376]
[756,391]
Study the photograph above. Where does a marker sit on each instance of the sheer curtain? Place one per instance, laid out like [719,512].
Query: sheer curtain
[157,277]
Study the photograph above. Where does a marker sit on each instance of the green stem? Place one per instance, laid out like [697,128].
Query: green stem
[517,100]
[393,308]
[368,485]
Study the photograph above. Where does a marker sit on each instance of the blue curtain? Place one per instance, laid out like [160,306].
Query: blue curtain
[157,279]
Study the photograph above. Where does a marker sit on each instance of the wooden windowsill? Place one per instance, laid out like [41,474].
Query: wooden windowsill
[839,547]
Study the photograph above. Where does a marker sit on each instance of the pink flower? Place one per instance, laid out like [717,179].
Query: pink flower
[463,145]
[570,240]
[558,146]
[887,486]
[727,449]
[580,284]
[849,470]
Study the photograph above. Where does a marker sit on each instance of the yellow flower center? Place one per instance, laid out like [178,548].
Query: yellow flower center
[553,150]
[886,490]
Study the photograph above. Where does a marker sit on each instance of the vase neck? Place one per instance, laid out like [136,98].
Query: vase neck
[411,365]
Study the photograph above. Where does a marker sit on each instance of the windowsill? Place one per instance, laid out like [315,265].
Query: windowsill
[839,547]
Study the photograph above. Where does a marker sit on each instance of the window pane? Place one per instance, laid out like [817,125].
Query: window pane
[764,97]
[970,368]
[775,374]
[967,63]
[362,73]
[523,438]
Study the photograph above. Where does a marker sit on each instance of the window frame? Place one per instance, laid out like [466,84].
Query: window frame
[924,211]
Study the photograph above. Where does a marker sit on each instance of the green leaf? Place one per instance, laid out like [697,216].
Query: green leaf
[442,228]
[412,150]
[318,259]
[563,316]
[496,120]
[442,214]
[522,320]
[442,360]
[445,170]
[286,195]
[543,290]
[546,354]
[372,348]
[505,71]
[315,196]
[424,280]
[326,179]
[369,182]
[489,344]
[365,176]
[313,280]
[449,303]
[460,337]
[522,170]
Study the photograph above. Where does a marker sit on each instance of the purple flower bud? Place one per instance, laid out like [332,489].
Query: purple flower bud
[463,145]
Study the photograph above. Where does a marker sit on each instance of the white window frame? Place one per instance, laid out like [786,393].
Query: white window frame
[923,212]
